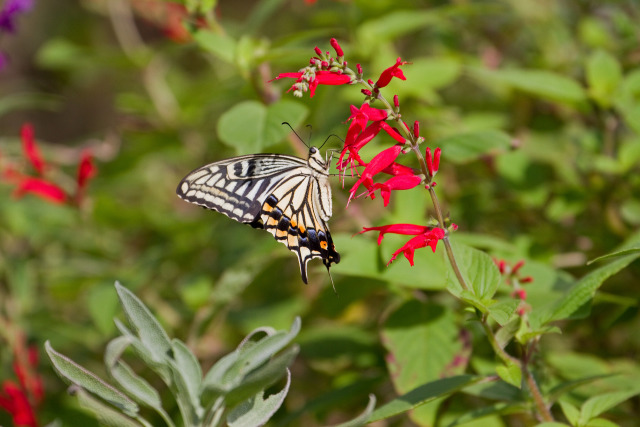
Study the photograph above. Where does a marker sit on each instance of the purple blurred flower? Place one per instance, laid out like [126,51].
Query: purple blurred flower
[10,10]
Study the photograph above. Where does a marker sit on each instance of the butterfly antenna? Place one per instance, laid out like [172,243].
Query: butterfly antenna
[310,131]
[333,134]
[296,133]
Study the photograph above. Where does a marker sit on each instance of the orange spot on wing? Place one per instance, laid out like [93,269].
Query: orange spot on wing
[293,223]
[323,245]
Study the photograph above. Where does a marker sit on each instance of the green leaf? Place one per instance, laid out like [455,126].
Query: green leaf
[510,374]
[599,404]
[582,292]
[143,352]
[136,386]
[542,83]
[623,252]
[263,377]
[151,334]
[27,101]
[256,411]
[478,270]
[502,311]
[79,376]
[467,147]
[104,413]
[423,394]
[221,45]
[552,424]
[188,368]
[363,418]
[251,126]
[601,422]
[571,413]
[604,74]
[565,387]
[422,340]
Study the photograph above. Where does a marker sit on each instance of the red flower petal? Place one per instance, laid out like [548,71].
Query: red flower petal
[30,148]
[41,188]
[406,229]
[400,182]
[17,404]
[391,72]
[375,166]
[86,169]
[429,238]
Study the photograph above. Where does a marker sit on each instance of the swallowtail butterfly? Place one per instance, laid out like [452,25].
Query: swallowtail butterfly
[288,196]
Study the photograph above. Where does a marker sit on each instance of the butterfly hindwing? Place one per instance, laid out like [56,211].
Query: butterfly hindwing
[287,196]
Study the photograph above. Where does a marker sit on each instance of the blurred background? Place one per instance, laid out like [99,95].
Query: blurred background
[547,92]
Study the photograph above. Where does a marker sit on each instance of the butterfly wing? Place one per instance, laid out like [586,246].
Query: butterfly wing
[281,194]
[296,214]
[237,187]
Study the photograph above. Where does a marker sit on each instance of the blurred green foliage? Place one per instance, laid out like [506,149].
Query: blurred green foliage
[534,103]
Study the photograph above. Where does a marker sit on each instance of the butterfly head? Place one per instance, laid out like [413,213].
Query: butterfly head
[316,161]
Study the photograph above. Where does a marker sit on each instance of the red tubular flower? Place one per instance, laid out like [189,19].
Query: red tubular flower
[336,46]
[359,68]
[520,294]
[375,166]
[393,133]
[312,80]
[31,151]
[400,182]
[396,169]
[406,229]
[416,129]
[41,188]
[429,238]
[433,163]
[15,401]
[391,72]
[86,170]
[396,101]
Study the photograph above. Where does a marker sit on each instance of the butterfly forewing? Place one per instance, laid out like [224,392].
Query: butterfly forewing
[287,196]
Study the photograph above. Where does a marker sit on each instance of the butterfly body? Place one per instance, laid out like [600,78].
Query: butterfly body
[287,196]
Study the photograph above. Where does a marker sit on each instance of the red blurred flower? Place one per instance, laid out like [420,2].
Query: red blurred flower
[41,188]
[20,400]
[30,148]
[391,72]
[424,236]
[14,400]
[39,185]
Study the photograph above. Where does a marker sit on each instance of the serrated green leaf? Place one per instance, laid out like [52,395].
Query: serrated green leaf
[80,376]
[478,270]
[136,386]
[604,74]
[467,147]
[423,394]
[104,413]
[256,411]
[510,374]
[422,341]
[251,126]
[502,311]
[148,329]
[363,418]
[602,403]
